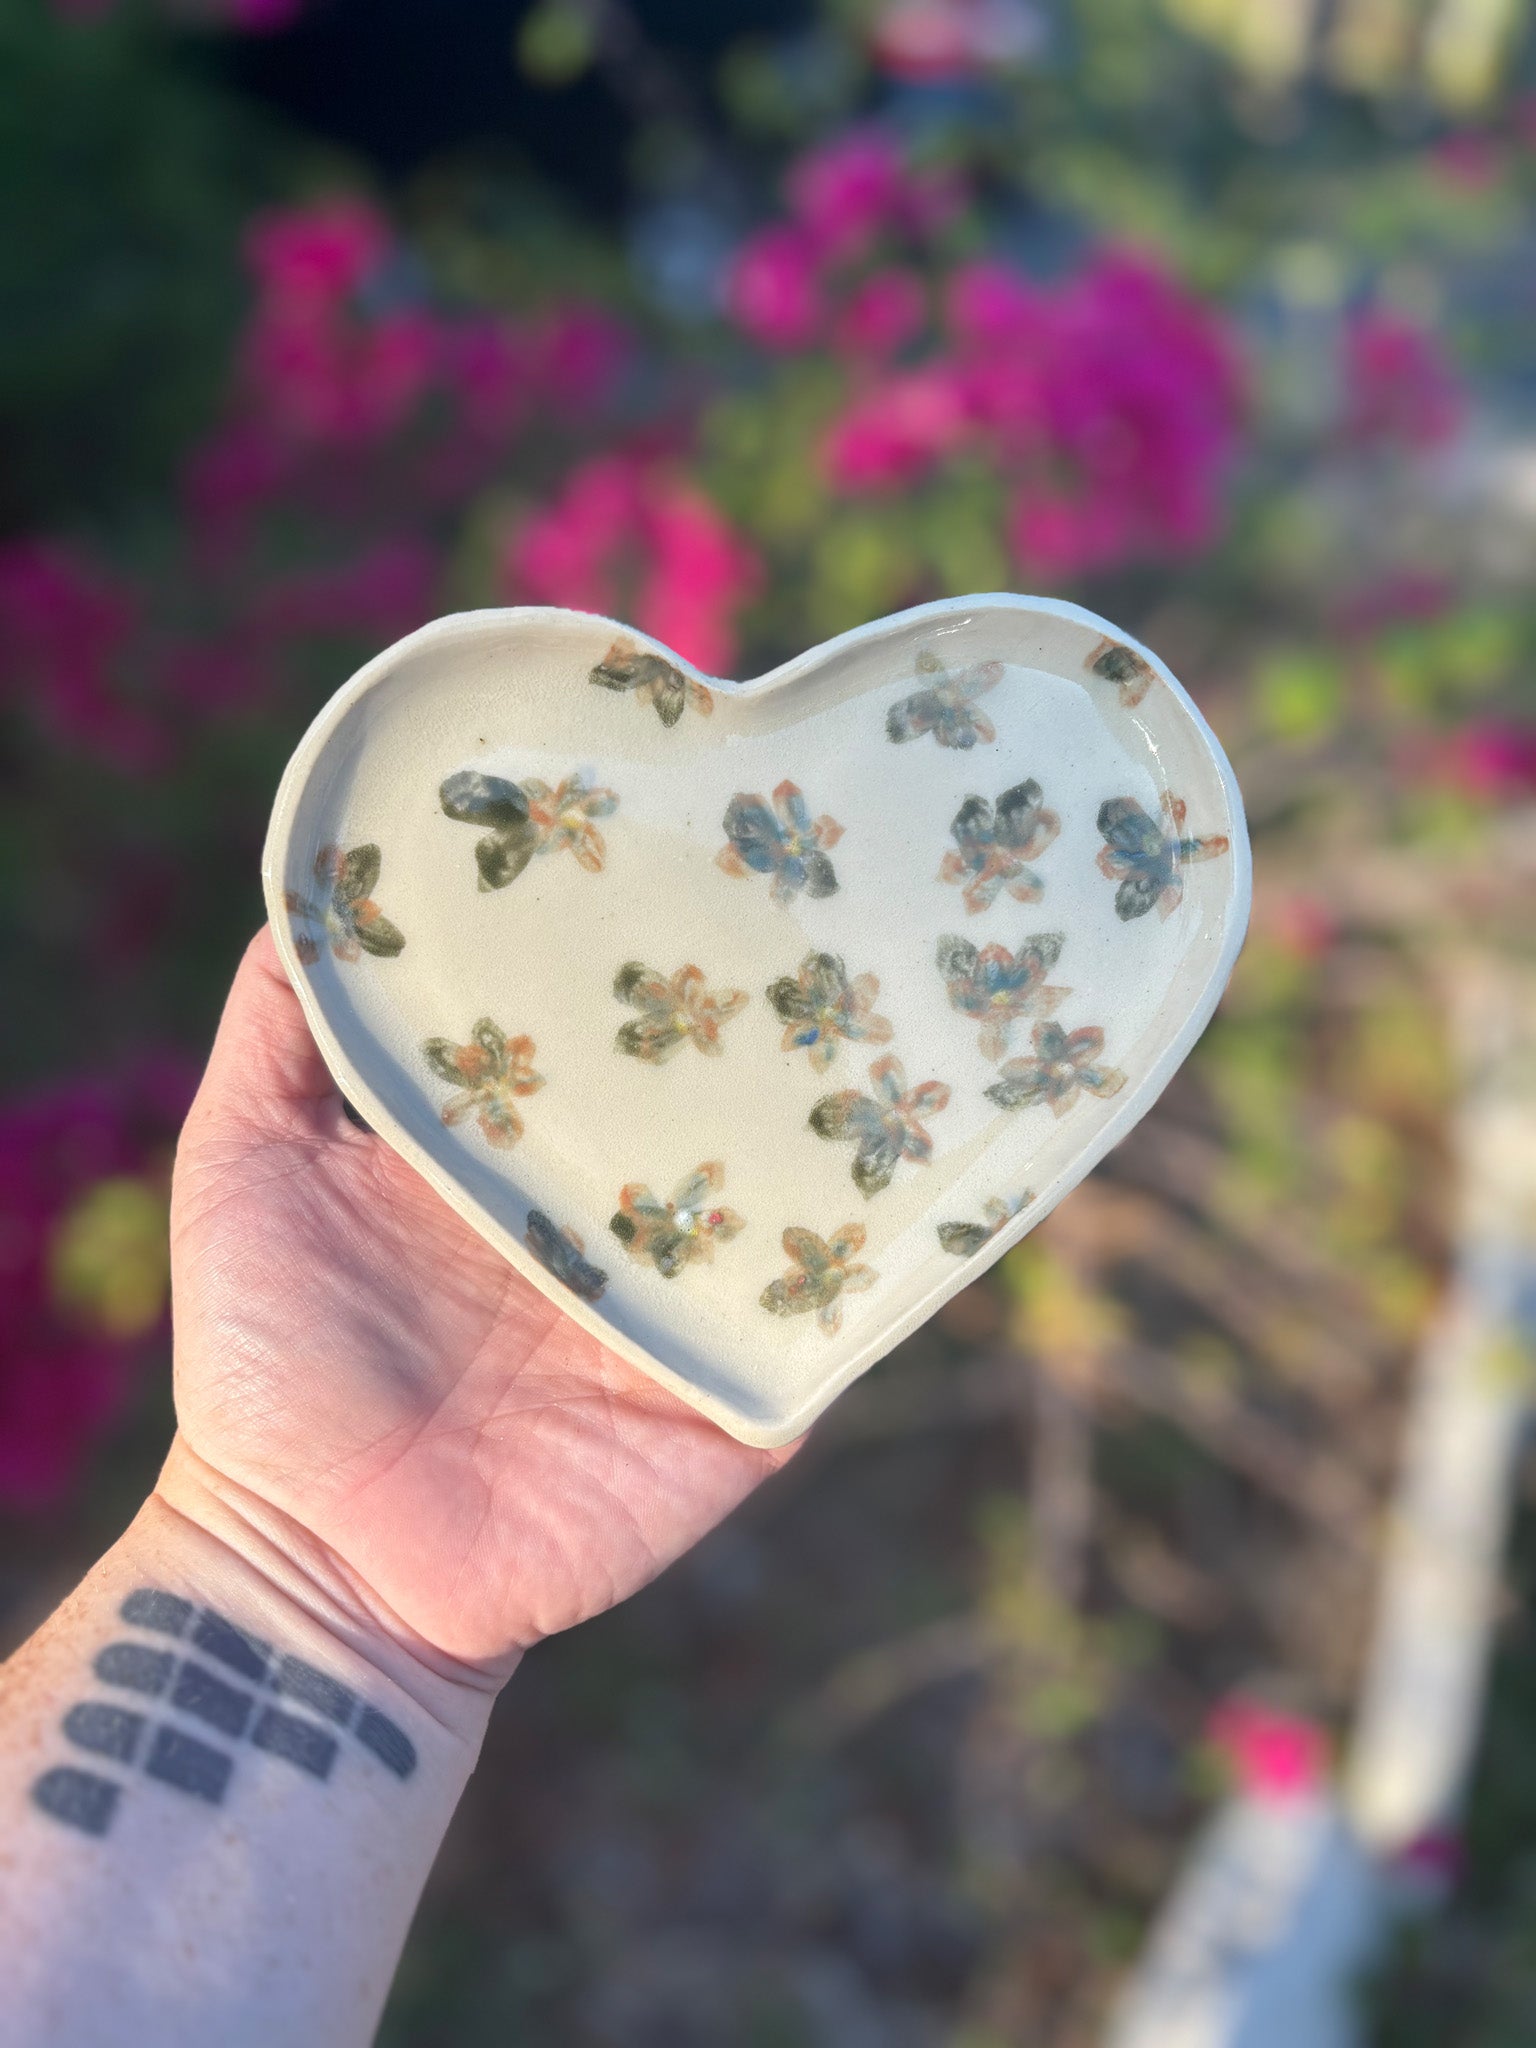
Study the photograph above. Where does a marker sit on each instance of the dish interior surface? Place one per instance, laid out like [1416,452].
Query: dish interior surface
[535,1046]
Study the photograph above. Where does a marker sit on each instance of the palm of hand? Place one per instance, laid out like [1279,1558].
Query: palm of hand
[351,1352]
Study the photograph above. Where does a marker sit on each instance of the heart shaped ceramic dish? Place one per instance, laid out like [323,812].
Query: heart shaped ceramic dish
[752,1020]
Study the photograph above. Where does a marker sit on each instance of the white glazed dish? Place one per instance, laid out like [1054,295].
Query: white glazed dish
[501,844]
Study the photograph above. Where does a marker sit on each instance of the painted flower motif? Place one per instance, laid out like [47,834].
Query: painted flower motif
[966,1239]
[1064,1064]
[348,915]
[994,846]
[653,681]
[947,707]
[561,1253]
[997,987]
[885,1127]
[822,1271]
[1130,672]
[673,1012]
[820,1005]
[1144,855]
[526,819]
[792,846]
[490,1073]
[673,1234]
[563,818]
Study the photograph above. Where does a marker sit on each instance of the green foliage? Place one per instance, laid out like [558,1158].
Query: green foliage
[126,177]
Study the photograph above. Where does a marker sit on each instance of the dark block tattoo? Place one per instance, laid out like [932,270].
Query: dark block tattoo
[78,1798]
[201,1692]
[170,1754]
[297,1742]
[162,1612]
[189,1765]
[389,1743]
[135,1666]
[311,1688]
[108,1731]
[218,1638]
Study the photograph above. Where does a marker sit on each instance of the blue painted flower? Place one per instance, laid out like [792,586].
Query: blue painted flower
[885,1127]
[1144,855]
[821,1005]
[791,846]
[946,707]
[822,1271]
[1064,1065]
[994,846]
[997,987]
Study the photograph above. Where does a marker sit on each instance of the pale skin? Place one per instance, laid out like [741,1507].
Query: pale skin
[395,1461]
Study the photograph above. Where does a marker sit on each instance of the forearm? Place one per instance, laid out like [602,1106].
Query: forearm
[222,1785]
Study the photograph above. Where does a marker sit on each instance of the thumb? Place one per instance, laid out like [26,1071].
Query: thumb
[265,1076]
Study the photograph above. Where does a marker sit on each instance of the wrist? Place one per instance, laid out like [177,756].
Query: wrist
[224,1544]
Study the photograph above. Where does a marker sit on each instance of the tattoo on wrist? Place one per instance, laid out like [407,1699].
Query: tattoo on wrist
[228,1685]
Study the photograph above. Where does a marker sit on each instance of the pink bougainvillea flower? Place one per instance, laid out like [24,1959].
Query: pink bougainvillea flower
[380,593]
[578,356]
[1109,406]
[773,288]
[630,536]
[1399,385]
[487,361]
[1273,1755]
[897,430]
[337,377]
[238,468]
[68,632]
[701,574]
[1493,758]
[846,190]
[881,315]
[324,250]
[989,305]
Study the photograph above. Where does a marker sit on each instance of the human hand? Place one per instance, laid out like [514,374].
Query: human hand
[361,1375]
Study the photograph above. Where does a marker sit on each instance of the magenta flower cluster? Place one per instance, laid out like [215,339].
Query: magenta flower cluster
[1109,404]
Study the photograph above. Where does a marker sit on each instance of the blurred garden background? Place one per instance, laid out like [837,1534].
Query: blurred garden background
[749,321]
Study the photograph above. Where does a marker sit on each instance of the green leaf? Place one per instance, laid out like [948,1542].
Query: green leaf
[502,856]
[490,1037]
[833,1116]
[359,873]
[379,937]
[441,1055]
[476,799]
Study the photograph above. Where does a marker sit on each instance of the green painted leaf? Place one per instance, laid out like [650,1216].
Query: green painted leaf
[476,799]
[359,874]
[441,1057]
[502,856]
